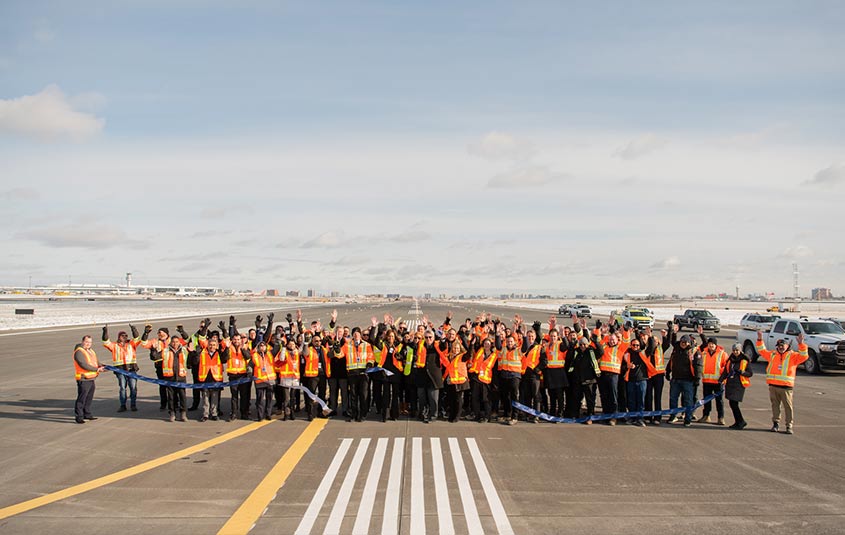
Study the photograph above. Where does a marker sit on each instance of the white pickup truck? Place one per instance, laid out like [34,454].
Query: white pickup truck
[825,341]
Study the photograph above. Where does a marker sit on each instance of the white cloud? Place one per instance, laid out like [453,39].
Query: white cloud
[43,32]
[501,146]
[640,147]
[829,176]
[326,240]
[48,114]
[530,176]
[799,251]
[667,263]
[84,233]
[213,212]
[20,194]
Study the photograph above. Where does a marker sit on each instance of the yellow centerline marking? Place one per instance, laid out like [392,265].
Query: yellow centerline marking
[127,472]
[248,513]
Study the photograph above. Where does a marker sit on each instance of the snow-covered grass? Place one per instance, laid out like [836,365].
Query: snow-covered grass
[112,311]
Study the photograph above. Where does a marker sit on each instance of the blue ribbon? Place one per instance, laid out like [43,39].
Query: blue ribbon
[175,384]
[616,415]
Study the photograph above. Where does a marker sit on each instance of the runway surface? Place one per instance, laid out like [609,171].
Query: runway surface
[136,473]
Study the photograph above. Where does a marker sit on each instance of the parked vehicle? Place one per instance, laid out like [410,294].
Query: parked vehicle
[758,322]
[648,312]
[636,317]
[694,318]
[581,311]
[825,341]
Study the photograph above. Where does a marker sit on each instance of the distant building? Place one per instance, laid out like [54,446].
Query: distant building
[392,296]
[427,296]
[335,294]
[271,293]
[292,293]
[821,294]
[310,292]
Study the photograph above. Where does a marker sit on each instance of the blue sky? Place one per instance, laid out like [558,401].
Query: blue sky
[543,146]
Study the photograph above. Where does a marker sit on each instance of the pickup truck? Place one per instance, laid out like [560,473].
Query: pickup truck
[825,341]
[693,318]
[581,311]
[633,316]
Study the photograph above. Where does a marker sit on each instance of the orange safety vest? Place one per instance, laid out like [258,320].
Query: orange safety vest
[557,358]
[421,354]
[262,370]
[714,364]
[485,366]
[212,364]
[648,365]
[167,362]
[743,364]
[237,363]
[532,358]
[289,369]
[659,360]
[312,363]
[456,370]
[782,367]
[357,357]
[611,359]
[397,360]
[511,360]
[122,355]
[91,359]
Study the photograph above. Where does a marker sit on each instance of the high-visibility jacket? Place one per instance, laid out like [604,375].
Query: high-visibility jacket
[659,360]
[357,356]
[650,370]
[456,370]
[484,366]
[782,366]
[167,358]
[210,364]
[611,359]
[91,359]
[287,363]
[532,358]
[236,365]
[743,365]
[123,355]
[409,359]
[557,358]
[510,360]
[313,364]
[396,359]
[714,364]
[262,368]
[421,355]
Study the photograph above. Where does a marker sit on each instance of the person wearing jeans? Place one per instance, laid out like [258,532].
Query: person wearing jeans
[683,371]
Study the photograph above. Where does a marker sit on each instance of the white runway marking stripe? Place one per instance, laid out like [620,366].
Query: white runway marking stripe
[499,515]
[336,516]
[441,491]
[390,522]
[396,485]
[323,490]
[365,508]
[467,498]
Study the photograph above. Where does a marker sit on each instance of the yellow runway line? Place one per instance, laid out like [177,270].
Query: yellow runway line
[248,513]
[128,472]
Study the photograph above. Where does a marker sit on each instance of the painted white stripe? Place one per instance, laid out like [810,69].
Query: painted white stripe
[417,499]
[345,492]
[499,515]
[441,491]
[365,508]
[323,490]
[468,500]
[390,522]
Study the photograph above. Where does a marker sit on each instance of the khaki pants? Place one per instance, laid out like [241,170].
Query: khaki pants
[778,396]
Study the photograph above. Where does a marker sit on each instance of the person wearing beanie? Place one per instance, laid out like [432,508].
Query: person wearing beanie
[156,348]
[736,378]
[264,375]
[583,367]
[683,371]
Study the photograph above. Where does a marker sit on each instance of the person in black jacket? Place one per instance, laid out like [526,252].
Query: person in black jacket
[428,377]
[735,378]
[384,339]
[584,368]
[635,371]
[683,371]
[535,363]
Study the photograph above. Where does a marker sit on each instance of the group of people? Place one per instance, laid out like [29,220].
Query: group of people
[477,368]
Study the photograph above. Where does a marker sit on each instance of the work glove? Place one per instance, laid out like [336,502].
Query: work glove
[222,327]
[231,320]
[370,365]
[148,328]
[289,317]
[270,316]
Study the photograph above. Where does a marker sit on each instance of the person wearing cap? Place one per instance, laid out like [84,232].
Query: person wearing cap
[585,371]
[683,371]
[714,363]
[428,377]
[156,348]
[736,378]
[780,376]
[264,377]
[124,357]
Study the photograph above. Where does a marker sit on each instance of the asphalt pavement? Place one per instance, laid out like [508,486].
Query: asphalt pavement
[119,473]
